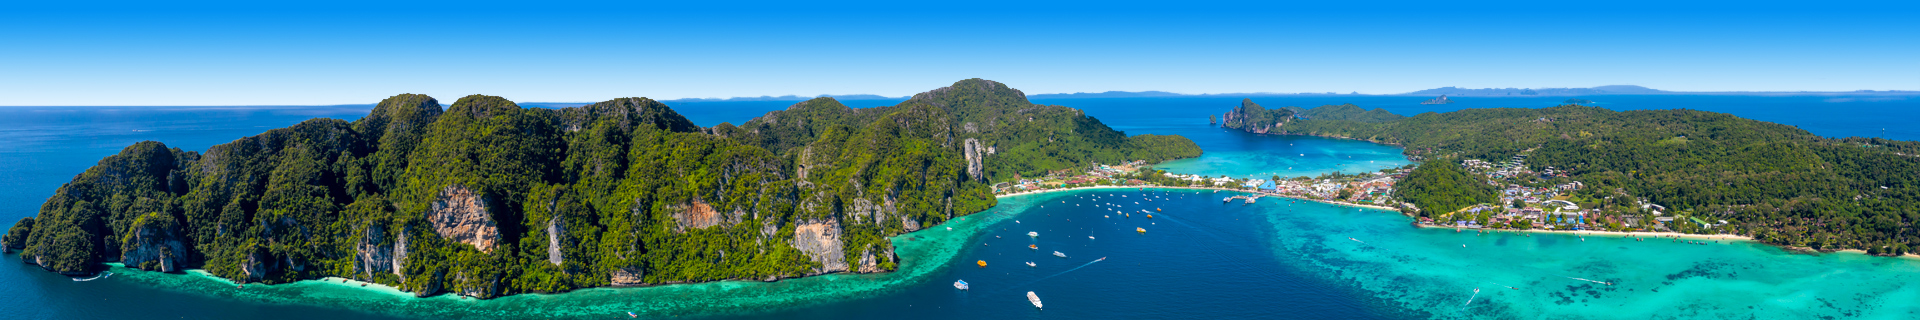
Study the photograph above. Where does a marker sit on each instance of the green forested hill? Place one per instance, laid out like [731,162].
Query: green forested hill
[487,198]
[1777,183]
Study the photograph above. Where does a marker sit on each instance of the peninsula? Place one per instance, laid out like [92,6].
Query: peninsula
[486,198]
[1585,168]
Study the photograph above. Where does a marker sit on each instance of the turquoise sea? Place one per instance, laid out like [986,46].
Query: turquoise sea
[1199,258]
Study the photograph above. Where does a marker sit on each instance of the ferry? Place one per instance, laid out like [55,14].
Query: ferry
[1034,299]
[1058,254]
[961,284]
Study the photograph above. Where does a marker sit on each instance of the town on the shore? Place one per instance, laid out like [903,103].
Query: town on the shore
[1528,199]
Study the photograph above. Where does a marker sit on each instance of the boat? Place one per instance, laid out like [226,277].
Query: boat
[1058,254]
[1030,264]
[1033,234]
[1149,216]
[1035,247]
[1100,259]
[1141,230]
[1157,209]
[1034,299]
[1227,199]
[960,284]
[102,275]
[983,263]
[630,314]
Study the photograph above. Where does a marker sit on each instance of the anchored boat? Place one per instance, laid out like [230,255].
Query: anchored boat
[960,284]
[1035,299]
[1058,254]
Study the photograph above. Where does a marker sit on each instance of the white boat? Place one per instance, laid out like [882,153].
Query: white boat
[960,284]
[102,275]
[1033,234]
[1030,264]
[1035,299]
[1058,254]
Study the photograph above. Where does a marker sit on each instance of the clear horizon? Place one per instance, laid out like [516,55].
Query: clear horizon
[140,54]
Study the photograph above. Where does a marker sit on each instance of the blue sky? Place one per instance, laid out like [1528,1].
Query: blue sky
[345,52]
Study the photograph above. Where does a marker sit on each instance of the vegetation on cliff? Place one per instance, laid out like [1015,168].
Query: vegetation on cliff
[487,198]
[1251,117]
[1774,182]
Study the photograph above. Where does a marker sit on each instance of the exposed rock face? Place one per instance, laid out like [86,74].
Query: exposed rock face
[627,277]
[400,253]
[460,215]
[974,157]
[154,244]
[821,242]
[555,228]
[695,215]
[371,255]
[867,263]
[1251,117]
[256,267]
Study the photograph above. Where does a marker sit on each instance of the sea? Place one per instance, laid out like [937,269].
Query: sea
[1198,257]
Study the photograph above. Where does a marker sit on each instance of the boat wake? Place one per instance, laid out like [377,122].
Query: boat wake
[1089,263]
[98,276]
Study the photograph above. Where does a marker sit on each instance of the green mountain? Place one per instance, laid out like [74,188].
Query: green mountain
[1777,183]
[486,198]
[1348,112]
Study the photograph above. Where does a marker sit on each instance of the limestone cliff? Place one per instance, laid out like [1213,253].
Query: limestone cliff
[462,216]
[820,240]
[154,244]
[373,254]
[1251,117]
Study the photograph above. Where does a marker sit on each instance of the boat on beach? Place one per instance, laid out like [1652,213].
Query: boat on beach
[1035,299]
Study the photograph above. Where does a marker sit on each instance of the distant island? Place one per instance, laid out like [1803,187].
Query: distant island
[1489,92]
[1441,100]
[1577,101]
[1646,170]
[486,198]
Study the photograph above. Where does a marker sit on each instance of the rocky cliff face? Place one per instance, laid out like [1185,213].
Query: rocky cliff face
[695,215]
[372,253]
[1251,117]
[974,159]
[154,244]
[820,240]
[460,215]
[624,277]
[555,228]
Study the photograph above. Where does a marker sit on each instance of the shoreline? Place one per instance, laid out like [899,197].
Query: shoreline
[1368,206]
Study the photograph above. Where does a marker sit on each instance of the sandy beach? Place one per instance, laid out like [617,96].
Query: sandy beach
[1201,188]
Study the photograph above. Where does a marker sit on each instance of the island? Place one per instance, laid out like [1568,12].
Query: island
[1441,100]
[485,198]
[1574,167]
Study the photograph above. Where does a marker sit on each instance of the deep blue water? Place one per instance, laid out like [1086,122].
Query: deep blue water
[1200,260]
